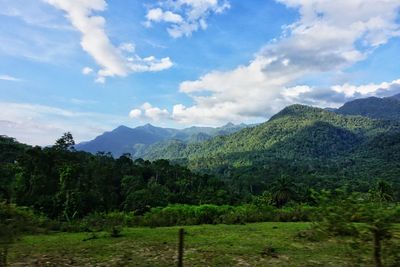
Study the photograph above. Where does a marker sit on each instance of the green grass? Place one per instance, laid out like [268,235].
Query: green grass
[205,245]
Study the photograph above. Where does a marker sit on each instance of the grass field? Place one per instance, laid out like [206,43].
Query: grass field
[259,244]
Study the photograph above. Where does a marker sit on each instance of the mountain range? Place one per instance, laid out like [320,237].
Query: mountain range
[151,142]
[135,141]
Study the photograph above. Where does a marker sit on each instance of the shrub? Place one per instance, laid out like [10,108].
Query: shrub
[112,222]
[212,214]
[15,221]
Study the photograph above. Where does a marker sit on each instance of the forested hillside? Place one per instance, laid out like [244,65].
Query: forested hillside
[310,144]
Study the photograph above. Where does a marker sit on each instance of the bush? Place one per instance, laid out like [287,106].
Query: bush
[182,214]
[20,220]
[112,222]
[15,221]
[213,214]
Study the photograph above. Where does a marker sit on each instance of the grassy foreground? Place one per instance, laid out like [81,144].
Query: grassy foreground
[259,244]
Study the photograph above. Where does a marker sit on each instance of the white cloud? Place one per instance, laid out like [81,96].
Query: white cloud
[158,15]
[369,89]
[335,95]
[96,42]
[185,16]
[87,70]
[128,47]
[135,113]
[42,125]
[328,37]
[5,77]
[148,112]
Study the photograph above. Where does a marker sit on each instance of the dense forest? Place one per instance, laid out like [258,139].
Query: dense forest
[312,146]
[299,150]
[66,184]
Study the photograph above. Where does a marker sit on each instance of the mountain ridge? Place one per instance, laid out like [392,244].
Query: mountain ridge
[134,141]
[373,107]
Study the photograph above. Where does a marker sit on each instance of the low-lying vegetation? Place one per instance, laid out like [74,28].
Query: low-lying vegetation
[258,244]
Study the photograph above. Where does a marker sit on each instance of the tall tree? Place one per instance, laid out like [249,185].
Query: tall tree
[65,142]
[283,190]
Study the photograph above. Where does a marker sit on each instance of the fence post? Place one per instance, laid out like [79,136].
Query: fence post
[180,247]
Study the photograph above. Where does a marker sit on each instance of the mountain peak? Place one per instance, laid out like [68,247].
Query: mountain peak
[148,125]
[122,127]
[296,110]
[228,125]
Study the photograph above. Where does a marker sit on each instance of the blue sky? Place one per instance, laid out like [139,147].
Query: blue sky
[87,66]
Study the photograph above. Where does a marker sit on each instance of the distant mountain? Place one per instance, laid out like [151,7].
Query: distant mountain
[373,107]
[125,140]
[136,140]
[396,97]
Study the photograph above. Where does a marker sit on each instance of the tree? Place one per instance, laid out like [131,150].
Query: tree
[382,192]
[283,190]
[13,221]
[338,213]
[65,142]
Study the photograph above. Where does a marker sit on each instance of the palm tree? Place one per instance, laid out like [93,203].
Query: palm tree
[283,190]
[383,191]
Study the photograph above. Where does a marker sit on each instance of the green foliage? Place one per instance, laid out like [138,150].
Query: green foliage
[67,185]
[283,190]
[212,214]
[65,142]
[382,192]
[258,244]
[339,212]
[315,147]
[112,222]
[15,221]
[277,163]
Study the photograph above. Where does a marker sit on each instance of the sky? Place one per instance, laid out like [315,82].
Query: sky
[88,66]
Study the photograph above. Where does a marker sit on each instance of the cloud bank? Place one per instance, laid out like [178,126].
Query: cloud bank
[328,37]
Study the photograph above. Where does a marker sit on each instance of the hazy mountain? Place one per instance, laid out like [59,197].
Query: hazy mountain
[136,140]
[124,139]
[396,97]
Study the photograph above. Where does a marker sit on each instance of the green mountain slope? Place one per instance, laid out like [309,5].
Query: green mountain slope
[299,141]
[295,131]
